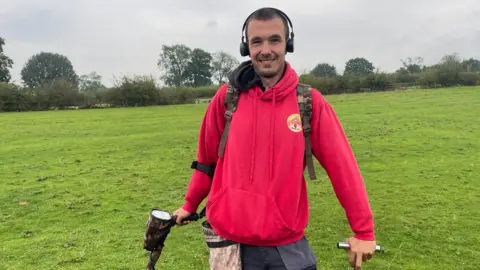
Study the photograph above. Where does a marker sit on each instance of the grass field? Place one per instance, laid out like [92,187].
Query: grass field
[76,186]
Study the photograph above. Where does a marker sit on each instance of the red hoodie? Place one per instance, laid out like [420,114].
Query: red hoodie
[258,194]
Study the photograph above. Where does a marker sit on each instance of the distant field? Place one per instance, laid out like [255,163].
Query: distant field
[76,186]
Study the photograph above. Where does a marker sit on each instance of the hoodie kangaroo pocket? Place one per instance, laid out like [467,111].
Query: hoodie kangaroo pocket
[249,216]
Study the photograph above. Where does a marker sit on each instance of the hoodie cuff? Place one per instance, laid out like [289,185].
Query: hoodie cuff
[189,207]
[368,236]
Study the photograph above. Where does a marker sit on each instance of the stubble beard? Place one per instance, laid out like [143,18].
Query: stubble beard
[269,72]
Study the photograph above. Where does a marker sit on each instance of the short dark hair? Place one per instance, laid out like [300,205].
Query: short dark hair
[265,14]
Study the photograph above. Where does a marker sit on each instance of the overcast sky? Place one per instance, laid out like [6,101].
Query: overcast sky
[119,37]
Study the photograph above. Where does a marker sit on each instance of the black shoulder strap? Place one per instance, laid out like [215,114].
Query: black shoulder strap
[304,96]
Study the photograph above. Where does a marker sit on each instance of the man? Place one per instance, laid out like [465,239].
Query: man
[258,196]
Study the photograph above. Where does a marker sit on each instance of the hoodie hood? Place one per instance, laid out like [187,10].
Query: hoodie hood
[244,78]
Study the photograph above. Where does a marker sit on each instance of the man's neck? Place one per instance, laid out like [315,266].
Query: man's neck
[269,82]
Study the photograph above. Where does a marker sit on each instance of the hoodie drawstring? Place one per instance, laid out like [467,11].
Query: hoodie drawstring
[271,143]
[252,163]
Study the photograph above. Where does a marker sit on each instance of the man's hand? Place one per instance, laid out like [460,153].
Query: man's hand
[181,214]
[363,250]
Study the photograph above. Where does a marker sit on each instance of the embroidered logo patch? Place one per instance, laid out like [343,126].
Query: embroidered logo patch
[294,122]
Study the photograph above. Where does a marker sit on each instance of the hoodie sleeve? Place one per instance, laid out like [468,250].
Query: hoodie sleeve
[207,152]
[333,151]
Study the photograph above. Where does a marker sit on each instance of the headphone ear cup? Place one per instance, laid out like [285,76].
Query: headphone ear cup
[290,45]
[244,51]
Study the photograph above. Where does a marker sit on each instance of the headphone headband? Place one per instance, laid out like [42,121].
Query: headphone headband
[291,34]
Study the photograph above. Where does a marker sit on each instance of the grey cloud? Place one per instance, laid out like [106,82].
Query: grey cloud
[125,37]
[35,26]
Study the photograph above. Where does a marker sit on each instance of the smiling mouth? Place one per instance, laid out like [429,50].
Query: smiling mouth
[267,61]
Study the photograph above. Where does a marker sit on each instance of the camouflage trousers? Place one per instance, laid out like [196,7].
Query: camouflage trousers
[224,254]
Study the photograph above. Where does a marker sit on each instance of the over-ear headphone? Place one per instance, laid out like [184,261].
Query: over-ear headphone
[244,51]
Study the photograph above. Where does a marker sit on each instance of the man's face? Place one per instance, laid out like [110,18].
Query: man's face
[266,41]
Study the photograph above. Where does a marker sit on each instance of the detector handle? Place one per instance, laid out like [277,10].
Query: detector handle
[345,245]
[192,217]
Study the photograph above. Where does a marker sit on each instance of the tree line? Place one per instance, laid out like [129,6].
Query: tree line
[49,80]
[361,75]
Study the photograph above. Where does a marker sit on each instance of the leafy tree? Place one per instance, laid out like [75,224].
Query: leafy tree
[198,72]
[404,76]
[91,82]
[324,70]
[449,69]
[222,65]
[413,66]
[45,67]
[358,66]
[471,65]
[6,63]
[174,62]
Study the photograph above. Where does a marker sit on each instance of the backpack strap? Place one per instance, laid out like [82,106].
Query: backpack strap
[231,100]
[304,96]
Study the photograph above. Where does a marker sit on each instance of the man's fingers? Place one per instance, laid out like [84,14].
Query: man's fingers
[358,260]
[179,221]
[367,257]
[351,258]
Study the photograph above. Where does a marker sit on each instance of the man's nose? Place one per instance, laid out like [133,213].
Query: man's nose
[265,48]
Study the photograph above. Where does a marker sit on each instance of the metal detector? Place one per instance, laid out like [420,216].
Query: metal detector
[158,226]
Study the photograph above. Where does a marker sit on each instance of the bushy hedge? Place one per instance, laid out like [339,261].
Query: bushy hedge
[430,78]
[143,91]
[128,92]
[350,83]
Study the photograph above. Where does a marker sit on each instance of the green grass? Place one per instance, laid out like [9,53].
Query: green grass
[76,186]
